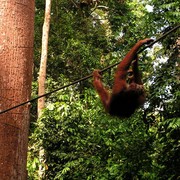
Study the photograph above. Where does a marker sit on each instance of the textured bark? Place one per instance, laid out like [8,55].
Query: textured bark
[16,59]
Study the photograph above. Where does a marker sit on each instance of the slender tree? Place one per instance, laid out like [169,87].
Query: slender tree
[44,52]
[42,75]
[16,60]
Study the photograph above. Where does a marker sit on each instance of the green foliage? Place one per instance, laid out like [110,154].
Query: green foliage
[79,139]
[164,14]
[167,149]
[76,41]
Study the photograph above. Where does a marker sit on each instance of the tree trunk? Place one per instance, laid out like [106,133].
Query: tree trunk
[16,59]
[44,52]
[42,77]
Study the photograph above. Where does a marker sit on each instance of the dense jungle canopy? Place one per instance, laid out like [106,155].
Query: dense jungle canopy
[81,141]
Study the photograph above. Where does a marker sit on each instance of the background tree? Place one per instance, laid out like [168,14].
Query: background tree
[42,74]
[44,54]
[16,55]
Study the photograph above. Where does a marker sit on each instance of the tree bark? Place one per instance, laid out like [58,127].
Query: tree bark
[16,60]
[44,52]
[42,78]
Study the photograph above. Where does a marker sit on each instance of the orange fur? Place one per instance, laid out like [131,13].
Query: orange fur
[125,97]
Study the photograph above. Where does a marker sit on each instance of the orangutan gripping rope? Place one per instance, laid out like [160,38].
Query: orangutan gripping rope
[126,96]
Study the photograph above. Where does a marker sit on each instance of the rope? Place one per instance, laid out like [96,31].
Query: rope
[89,76]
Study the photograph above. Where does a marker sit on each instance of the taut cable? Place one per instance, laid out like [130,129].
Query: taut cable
[89,76]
